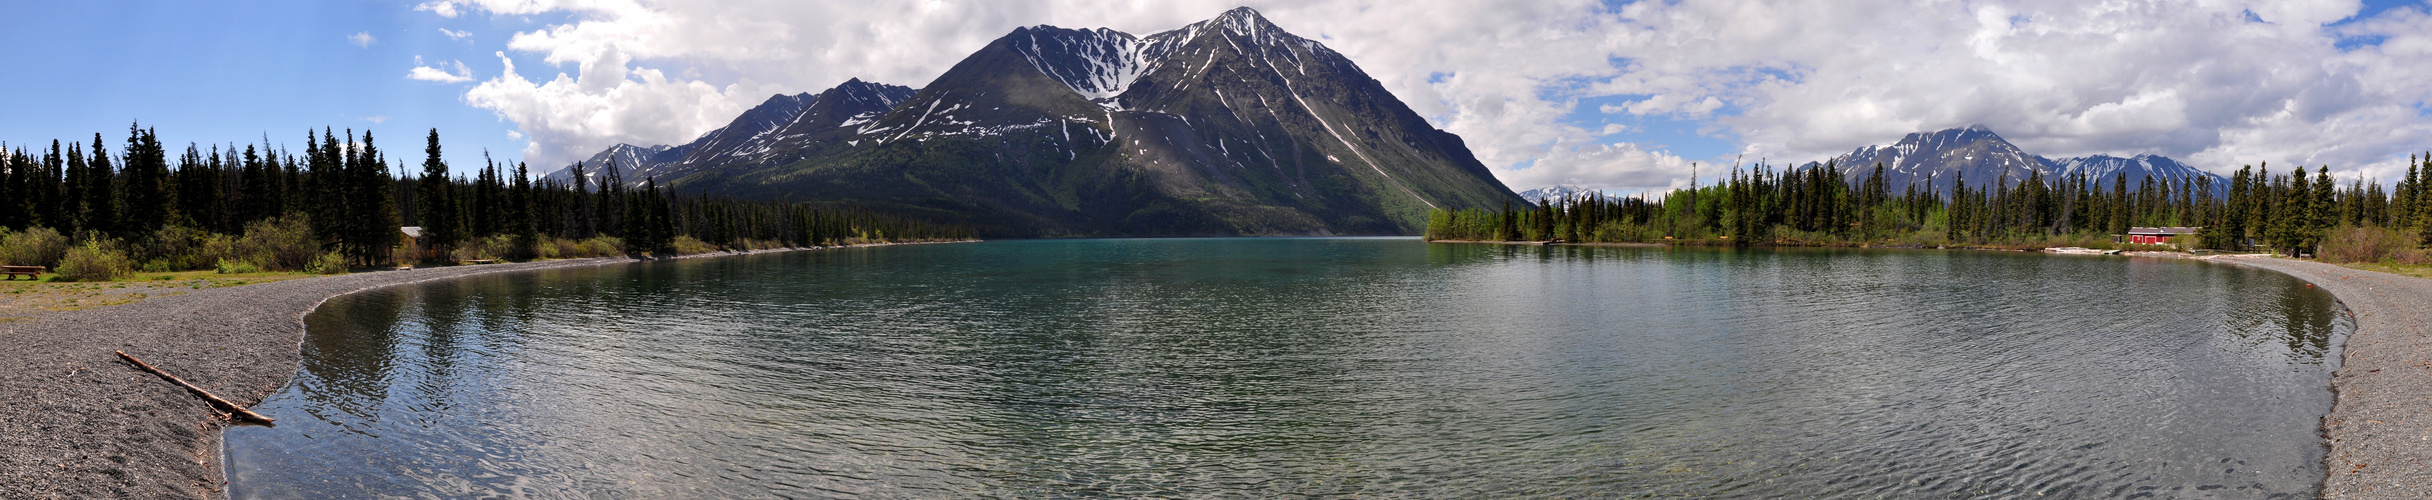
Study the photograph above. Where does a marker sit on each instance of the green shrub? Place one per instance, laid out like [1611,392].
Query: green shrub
[687,245]
[603,246]
[2187,241]
[2361,244]
[329,263]
[494,247]
[2411,256]
[282,244]
[548,247]
[38,246]
[94,261]
[180,248]
[237,267]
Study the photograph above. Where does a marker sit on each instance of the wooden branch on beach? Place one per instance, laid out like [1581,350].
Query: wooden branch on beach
[236,408]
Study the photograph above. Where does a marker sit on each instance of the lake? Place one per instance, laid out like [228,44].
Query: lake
[1313,366]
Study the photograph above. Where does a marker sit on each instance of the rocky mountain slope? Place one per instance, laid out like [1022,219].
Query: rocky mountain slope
[1230,126]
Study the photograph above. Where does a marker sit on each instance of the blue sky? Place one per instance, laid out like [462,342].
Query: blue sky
[1615,95]
[215,73]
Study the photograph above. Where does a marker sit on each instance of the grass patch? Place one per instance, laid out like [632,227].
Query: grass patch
[21,297]
[2412,270]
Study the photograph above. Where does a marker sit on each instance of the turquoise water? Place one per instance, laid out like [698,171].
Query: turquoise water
[1290,367]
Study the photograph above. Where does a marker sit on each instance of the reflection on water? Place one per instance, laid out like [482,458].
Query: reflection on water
[1266,367]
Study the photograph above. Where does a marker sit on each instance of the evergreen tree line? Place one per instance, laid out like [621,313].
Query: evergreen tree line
[2290,212]
[343,192]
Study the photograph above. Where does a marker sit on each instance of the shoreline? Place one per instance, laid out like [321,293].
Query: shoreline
[2379,429]
[83,424]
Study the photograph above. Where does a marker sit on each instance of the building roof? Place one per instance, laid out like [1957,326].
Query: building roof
[411,231]
[2164,230]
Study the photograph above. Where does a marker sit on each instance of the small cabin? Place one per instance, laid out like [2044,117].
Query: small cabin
[2157,235]
[413,244]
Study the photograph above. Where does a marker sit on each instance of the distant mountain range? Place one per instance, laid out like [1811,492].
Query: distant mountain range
[1560,192]
[783,120]
[1939,159]
[1229,126]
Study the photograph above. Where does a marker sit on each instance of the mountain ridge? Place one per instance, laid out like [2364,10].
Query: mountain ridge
[1937,160]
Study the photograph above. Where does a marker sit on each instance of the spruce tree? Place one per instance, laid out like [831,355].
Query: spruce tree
[2325,209]
[519,203]
[372,210]
[579,219]
[435,208]
[146,191]
[255,187]
[56,206]
[2294,216]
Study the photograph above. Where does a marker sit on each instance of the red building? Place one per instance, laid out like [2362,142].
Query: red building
[2157,235]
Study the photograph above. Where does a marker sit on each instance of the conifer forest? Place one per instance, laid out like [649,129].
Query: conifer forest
[2294,212]
[343,203]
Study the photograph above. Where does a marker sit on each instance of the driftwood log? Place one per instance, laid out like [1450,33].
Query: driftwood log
[234,408]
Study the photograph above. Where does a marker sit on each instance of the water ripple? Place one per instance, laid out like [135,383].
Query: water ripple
[1313,367]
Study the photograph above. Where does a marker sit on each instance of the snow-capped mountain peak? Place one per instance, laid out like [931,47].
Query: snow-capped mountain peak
[1101,64]
[1560,192]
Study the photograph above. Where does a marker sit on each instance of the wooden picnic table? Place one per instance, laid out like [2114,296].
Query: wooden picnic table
[30,272]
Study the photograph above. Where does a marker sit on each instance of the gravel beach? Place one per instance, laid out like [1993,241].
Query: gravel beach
[80,423]
[2380,425]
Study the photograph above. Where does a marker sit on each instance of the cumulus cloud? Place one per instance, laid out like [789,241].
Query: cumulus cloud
[455,35]
[443,9]
[1615,166]
[436,74]
[2215,83]
[570,117]
[361,39]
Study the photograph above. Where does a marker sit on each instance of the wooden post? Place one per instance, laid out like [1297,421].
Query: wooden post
[238,409]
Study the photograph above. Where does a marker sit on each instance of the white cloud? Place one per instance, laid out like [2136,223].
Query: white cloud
[376,120]
[455,35]
[1616,166]
[571,117]
[361,39]
[443,9]
[1789,79]
[437,74]
[2195,80]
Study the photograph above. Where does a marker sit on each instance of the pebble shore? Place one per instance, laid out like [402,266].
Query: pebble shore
[2380,425]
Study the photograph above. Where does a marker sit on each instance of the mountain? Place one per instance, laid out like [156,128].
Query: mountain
[630,160]
[1230,126]
[1937,160]
[1559,192]
[2107,168]
[778,125]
